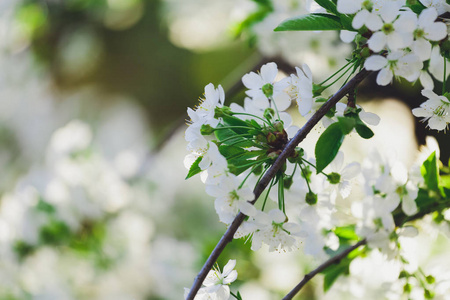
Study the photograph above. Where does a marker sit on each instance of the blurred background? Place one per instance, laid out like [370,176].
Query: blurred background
[93,97]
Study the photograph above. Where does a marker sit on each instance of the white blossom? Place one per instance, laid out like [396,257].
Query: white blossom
[300,89]
[436,110]
[262,86]
[406,65]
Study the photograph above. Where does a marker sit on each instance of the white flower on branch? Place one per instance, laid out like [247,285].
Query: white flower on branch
[275,231]
[262,86]
[216,283]
[398,63]
[427,30]
[339,176]
[301,89]
[436,110]
[231,198]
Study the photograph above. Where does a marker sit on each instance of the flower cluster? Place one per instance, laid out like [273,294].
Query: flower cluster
[305,206]
[233,146]
[404,41]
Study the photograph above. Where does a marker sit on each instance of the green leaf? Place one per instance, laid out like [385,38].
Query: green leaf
[329,6]
[328,146]
[230,151]
[334,271]
[416,6]
[346,233]
[346,124]
[346,22]
[430,172]
[194,169]
[311,22]
[364,131]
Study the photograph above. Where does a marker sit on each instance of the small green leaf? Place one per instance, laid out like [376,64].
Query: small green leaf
[334,271]
[346,233]
[328,146]
[346,124]
[430,172]
[311,22]
[194,169]
[364,131]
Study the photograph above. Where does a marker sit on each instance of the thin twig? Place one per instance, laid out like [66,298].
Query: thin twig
[333,260]
[259,188]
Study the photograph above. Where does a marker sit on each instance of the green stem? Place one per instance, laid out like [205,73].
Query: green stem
[342,75]
[281,204]
[235,296]
[444,81]
[236,136]
[245,114]
[276,109]
[338,71]
[254,162]
[233,127]
[306,179]
[267,195]
[248,175]
[304,160]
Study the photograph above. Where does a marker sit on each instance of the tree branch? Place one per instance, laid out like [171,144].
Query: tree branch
[333,260]
[259,188]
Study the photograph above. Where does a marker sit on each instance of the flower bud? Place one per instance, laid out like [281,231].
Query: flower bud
[311,198]
[206,129]
[278,126]
[219,112]
[269,113]
[288,182]
[257,170]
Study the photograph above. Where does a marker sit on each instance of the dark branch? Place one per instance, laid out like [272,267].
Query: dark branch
[290,147]
[334,260]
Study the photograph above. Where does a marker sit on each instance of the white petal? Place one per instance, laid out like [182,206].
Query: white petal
[282,101]
[427,17]
[377,41]
[230,277]
[422,48]
[369,118]
[252,81]
[436,31]
[360,18]
[437,123]
[347,36]
[351,170]
[384,77]
[426,80]
[247,208]
[229,267]
[268,72]
[277,216]
[373,22]
[348,6]
[409,206]
[406,22]
[375,63]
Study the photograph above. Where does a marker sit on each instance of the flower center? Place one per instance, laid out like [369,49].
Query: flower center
[419,33]
[368,5]
[267,90]
[387,28]
[334,178]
